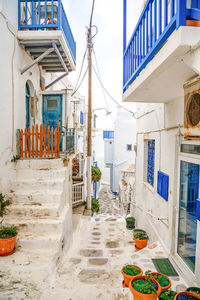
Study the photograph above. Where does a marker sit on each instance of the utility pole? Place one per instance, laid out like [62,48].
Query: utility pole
[89,128]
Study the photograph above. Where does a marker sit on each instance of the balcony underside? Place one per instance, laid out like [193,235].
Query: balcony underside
[37,42]
[163,78]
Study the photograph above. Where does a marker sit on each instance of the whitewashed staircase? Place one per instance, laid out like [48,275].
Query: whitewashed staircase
[41,206]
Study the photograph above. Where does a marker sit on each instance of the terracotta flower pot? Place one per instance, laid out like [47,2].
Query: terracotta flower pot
[186,293]
[195,288]
[194,23]
[140,244]
[7,245]
[167,286]
[139,296]
[127,278]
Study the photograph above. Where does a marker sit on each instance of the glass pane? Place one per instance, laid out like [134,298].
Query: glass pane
[52,104]
[189,192]
[194,149]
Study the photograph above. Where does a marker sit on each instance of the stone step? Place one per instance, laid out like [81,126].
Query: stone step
[37,185]
[39,164]
[36,210]
[29,197]
[48,174]
[33,224]
[37,241]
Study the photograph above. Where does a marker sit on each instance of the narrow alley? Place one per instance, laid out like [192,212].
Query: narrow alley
[101,247]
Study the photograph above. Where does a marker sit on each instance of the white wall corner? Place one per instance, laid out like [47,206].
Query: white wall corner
[191,59]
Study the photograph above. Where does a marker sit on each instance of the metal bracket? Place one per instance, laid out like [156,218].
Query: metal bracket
[56,80]
[47,52]
[60,58]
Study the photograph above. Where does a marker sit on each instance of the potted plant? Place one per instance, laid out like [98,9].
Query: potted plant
[130,222]
[141,240]
[167,295]
[186,296]
[163,280]
[136,230]
[129,272]
[143,287]
[194,290]
[96,174]
[7,240]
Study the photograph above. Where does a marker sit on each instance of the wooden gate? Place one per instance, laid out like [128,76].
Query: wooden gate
[39,142]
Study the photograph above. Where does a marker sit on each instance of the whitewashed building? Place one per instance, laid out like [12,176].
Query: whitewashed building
[37,52]
[119,146]
[161,75]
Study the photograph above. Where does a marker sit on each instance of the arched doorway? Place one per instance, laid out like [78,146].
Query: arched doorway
[28,96]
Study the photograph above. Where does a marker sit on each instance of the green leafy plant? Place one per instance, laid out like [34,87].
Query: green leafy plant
[130,219]
[3,204]
[141,236]
[162,279]
[144,286]
[167,295]
[95,205]
[131,270]
[194,290]
[15,158]
[96,174]
[8,232]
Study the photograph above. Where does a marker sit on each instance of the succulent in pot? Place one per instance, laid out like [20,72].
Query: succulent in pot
[7,240]
[163,280]
[141,240]
[194,290]
[138,230]
[167,295]
[130,222]
[129,272]
[142,287]
[186,296]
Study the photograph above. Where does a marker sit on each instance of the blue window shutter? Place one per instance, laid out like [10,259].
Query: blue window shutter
[151,162]
[81,118]
[198,210]
[163,185]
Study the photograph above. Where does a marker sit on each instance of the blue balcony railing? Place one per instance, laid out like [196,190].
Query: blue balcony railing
[158,20]
[45,15]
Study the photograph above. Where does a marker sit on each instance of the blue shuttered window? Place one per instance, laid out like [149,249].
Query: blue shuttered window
[198,210]
[81,118]
[163,185]
[151,162]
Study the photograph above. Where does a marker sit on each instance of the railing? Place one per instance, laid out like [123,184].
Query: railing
[45,15]
[70,136]
[39,142]
[77,193]
[158,20]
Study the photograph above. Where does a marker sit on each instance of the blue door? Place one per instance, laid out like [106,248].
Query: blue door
[27,106]
[52,112]
[189,192]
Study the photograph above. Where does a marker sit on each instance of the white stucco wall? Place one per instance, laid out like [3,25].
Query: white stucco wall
[164,123]
[125,133]
[12,86]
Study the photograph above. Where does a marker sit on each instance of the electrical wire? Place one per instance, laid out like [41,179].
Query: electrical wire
[78,87]
[103,91]
[131,112]
[91,16]
[80,72]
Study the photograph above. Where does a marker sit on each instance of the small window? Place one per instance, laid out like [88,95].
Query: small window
[149,161]
[52,103]
[129,147]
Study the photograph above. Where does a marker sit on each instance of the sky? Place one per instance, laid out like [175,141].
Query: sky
[108,44]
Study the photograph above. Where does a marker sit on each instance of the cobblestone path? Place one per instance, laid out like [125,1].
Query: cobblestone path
[91,269]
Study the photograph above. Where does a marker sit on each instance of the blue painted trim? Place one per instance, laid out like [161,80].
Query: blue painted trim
[163,185]
[198,210]
[124,24]
[144,43]
[34,22]
[107,134]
